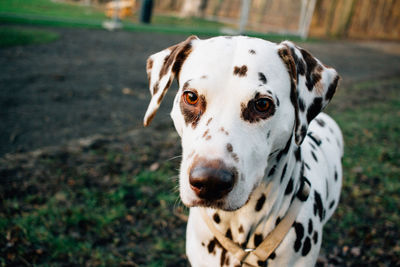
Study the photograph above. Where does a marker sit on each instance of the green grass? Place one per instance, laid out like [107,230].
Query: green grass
[91,224]
[11,36]
[367,216]
[48,13]
[49,8]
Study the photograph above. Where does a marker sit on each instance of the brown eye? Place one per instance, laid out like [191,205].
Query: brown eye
[190,97]
[262,104]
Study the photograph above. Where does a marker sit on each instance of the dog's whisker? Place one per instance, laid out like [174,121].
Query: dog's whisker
[175,157]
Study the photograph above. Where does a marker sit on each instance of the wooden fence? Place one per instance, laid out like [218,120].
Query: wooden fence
[265,15]
[361,19]
[365,19]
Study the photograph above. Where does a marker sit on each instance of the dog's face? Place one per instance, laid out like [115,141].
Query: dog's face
[240,100]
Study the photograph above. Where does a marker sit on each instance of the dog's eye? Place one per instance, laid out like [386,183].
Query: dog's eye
[190,97]
[262,104]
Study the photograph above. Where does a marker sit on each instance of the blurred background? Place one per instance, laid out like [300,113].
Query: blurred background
[82,183]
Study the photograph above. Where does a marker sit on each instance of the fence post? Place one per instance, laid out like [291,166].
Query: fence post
[244,15]
[145,11]
[306,14]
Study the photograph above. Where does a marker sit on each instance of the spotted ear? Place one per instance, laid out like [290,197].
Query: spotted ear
[312,85]
[161,69]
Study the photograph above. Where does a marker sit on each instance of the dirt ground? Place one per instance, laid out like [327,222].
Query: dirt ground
[94,82]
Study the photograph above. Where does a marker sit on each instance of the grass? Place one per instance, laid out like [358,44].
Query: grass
[12,36]
[368,217]
[104,206]
[50,8]
[48,13]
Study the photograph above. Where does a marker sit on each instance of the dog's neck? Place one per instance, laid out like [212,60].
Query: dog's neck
[268,203]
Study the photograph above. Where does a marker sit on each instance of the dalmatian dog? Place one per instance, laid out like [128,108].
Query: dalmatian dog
[261,165]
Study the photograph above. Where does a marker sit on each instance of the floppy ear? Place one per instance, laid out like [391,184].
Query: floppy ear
[161,68]
[312,85]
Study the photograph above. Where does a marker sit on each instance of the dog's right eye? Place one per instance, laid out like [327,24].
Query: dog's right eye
[190,97]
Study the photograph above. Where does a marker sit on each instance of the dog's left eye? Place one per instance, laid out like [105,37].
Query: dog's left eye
[262,104]
[190,97]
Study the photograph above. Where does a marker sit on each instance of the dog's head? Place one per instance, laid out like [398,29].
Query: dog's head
[239,99]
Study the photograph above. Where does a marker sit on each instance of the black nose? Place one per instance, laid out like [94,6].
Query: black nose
[212,180]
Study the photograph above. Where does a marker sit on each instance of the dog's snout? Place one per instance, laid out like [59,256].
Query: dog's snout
[212,180]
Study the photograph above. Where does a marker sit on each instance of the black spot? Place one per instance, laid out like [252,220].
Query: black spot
[223,254]
[289,187]
[307,166]
[252,51]
[283,172]
[316,141]
[332,89]
[272,256]
[306,246]
[314,109]
[320,122]
[311,64]
[278,220]
[262,78]
[312,146]
[314,157]
[336,176]
[302,196]
[297,153]
[227,261]
[302,170]
[327,189]
[241,230]
[268,134]
[260,202]
[211,246]
[272,171]
[285,150]
[302,106]
[229,233]
[258,238]
[313,79]
[262,263]
[310,226]
[318,208]
[298,227]
[300,66]
[332,204]
[315,237]
[216,218]
[303,132]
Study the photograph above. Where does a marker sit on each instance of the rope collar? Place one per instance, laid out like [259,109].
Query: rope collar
[250,257]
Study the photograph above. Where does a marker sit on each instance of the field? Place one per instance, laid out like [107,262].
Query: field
[111,199]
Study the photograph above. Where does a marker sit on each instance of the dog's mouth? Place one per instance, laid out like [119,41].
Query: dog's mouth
[214,204]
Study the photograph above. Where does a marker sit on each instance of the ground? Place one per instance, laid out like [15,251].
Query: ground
[83,183]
